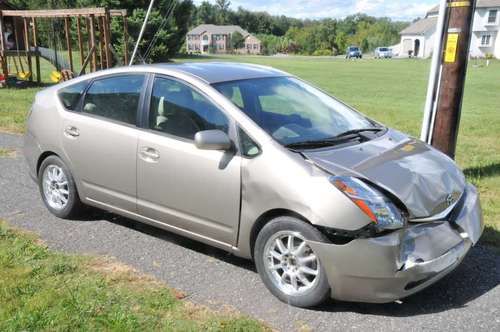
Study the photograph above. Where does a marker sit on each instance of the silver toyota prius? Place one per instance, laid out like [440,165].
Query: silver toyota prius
[255,161]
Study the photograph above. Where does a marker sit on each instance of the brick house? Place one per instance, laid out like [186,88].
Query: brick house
[209,38]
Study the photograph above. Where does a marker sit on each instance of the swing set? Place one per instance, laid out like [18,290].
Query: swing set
[92,24]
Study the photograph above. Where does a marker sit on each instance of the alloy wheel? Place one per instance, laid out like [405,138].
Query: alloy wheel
[291,263]
[55,187]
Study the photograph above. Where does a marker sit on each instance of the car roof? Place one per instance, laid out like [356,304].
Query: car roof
[216,72]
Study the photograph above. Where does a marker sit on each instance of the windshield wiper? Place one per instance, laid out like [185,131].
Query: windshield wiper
[341,138]
[358,131]
[320,143]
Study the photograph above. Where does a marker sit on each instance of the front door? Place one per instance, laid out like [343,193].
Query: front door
[100,141]
[179,184]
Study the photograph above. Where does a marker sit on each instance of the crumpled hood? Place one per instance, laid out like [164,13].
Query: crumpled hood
[426,181]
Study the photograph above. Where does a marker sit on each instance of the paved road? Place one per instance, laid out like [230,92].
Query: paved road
[468,299]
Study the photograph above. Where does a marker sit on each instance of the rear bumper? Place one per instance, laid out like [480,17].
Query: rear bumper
[399,264]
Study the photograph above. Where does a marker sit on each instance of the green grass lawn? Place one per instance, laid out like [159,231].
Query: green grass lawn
[390,91]
[41,290]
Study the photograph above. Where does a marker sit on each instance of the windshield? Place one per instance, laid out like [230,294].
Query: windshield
[292,111]
[383,49]
[353,49]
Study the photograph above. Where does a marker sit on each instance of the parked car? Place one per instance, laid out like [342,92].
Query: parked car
[383,53]
[255,161]
[353,52]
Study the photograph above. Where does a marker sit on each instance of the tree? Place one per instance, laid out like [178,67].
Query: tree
[237,41]
[223,6]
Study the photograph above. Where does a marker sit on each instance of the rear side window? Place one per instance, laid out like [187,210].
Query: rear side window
[115,98]
[70,95]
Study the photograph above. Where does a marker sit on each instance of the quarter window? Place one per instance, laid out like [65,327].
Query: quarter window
[115,98]
[249,148]
[178,110]
[70,95]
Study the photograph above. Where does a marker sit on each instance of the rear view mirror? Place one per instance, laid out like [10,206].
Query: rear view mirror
[212,140]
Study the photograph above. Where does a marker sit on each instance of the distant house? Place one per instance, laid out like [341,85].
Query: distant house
[209,38]
[418,38]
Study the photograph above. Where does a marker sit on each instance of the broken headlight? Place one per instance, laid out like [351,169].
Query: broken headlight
[381,211]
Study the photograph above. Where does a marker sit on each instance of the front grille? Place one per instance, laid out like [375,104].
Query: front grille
[458,207]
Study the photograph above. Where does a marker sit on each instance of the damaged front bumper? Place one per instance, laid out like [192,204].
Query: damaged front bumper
[393,266]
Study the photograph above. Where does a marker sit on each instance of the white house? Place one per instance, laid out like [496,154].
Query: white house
[418,39]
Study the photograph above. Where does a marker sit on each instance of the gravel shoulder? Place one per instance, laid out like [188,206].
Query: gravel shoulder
[467,299]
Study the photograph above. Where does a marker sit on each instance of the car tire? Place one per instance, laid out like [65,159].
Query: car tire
[58,189]
[298,293]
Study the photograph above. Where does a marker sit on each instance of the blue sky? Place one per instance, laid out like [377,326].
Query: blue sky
[395,9]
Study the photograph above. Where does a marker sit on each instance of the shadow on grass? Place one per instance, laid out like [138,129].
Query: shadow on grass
[27,84]
[482,171]
[491,237]
[477,275]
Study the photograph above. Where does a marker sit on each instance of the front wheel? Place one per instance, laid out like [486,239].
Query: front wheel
[288,266]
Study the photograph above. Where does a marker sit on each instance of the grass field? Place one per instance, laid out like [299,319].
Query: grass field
[41,290]
[390,91]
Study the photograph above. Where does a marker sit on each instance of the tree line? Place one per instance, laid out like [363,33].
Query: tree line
[282,34]
[278,33]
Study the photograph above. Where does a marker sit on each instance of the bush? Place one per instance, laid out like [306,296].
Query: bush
[323,53]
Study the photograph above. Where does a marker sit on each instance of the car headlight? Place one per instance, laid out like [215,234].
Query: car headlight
[381,211]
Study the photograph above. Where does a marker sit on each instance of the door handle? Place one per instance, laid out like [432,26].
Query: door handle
[149,154]
[72,131]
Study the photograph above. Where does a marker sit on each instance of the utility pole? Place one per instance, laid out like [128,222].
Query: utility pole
[143,28]
[454,68]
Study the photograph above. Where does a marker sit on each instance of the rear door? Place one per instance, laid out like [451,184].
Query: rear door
[100,140]
[178,184]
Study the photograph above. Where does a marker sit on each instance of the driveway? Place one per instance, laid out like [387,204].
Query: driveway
[468,299]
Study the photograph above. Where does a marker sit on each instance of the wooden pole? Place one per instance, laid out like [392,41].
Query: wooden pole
[80,42]
[125,40]
[3,48]
[68,42]
[107,38]
[86,62]
[92,42]
[456,51]
[37,53]
[101,41]
[89,46]
[27,48]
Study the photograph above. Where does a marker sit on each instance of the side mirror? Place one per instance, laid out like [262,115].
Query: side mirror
[212,140]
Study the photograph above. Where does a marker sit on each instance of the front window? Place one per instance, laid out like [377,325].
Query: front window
[292,111]
[486,40]
[492,16]
[178,110]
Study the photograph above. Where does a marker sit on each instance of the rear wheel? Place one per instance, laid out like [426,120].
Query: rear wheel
[58,188]
[287,264]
